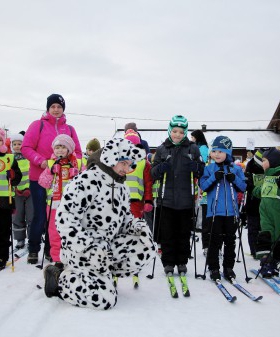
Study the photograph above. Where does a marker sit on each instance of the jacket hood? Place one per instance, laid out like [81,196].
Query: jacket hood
[94,159]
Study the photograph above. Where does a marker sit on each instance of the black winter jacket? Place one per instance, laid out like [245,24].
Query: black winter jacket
[177,191]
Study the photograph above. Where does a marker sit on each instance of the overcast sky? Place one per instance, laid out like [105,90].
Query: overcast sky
[210,60]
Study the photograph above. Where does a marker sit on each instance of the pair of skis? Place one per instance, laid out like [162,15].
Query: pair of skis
[239,287]
[271,282]
[172,286]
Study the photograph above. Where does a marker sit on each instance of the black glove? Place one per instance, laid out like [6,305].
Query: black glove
[219,175]
[230,177]
[277,180]
[164,167]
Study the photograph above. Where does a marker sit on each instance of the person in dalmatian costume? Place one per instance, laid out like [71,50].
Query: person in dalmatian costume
[99,236]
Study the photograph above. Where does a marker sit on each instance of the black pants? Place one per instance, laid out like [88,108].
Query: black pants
[223,232]
[254,228]
[5,232]
[175,231]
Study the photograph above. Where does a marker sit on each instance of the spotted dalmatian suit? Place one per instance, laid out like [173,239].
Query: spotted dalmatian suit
[100,239]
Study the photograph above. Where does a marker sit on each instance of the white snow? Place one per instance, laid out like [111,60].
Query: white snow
[25,311]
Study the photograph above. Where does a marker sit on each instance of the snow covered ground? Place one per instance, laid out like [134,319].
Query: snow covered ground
[25,311]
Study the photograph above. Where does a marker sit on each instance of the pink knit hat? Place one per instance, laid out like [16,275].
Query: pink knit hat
[132,136]
[64,140]
[3,147]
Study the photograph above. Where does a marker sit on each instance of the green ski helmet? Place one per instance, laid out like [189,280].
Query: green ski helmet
[180,122]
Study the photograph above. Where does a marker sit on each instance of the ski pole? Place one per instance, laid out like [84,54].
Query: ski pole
[40,266]
[10,202]
[194,219]
[243,202]
[151,276]
[203,276]
[247,278]
[158,229]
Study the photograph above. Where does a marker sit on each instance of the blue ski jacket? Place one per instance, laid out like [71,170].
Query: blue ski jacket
[225,205]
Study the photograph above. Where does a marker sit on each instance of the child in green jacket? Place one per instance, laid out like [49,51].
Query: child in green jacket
[269,192]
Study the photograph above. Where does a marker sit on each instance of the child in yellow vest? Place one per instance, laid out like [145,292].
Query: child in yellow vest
[62,167]
[10,175]
[24,206]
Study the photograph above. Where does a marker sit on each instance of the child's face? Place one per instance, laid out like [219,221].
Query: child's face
[89,152]
[60,151]
[56,110]
[16,145]
[265,164]
[177,134]
[219,156]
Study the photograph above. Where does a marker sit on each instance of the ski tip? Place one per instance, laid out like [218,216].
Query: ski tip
[258,298]
[187,294]
[233,299]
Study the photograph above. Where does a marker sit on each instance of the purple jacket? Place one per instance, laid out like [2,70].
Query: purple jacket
[37,142]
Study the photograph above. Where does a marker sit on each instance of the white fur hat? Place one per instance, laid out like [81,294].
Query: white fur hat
[119,149]
[16,136]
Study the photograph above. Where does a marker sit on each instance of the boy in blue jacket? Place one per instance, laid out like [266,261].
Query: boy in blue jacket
[222,180]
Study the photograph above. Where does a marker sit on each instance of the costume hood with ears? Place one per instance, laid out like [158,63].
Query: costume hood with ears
[119,149]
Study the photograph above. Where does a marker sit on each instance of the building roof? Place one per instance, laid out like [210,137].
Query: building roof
[239,138]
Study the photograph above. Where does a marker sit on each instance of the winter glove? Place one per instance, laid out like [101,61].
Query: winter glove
[55,169]
[26,193]
[230,177]
[148,207]
[10,174]
[277,180]
[219,175]
[73,171]
[164,167]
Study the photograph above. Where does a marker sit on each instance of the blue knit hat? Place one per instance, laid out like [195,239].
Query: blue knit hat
[223,144]
[179,122]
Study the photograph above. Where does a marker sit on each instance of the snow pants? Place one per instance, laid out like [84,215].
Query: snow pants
[22,217]
[223,231]
[87,280]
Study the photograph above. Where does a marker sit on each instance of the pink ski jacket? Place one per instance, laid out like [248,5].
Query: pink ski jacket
[37,141]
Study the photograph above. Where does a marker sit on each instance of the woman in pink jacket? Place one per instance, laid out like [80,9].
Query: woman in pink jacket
[37,148]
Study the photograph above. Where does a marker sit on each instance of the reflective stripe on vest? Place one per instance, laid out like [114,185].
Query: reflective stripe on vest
[135,181]
[23,164]
[4,184]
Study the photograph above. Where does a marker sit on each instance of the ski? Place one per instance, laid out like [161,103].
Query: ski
[135,280]
[225,292]
[243,290]
[19,254]
[184,284]
[276,279]
[268,281]
[172,286]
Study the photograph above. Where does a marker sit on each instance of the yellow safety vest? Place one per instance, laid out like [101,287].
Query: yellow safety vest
[135,181]
[24,164]
[5,162]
